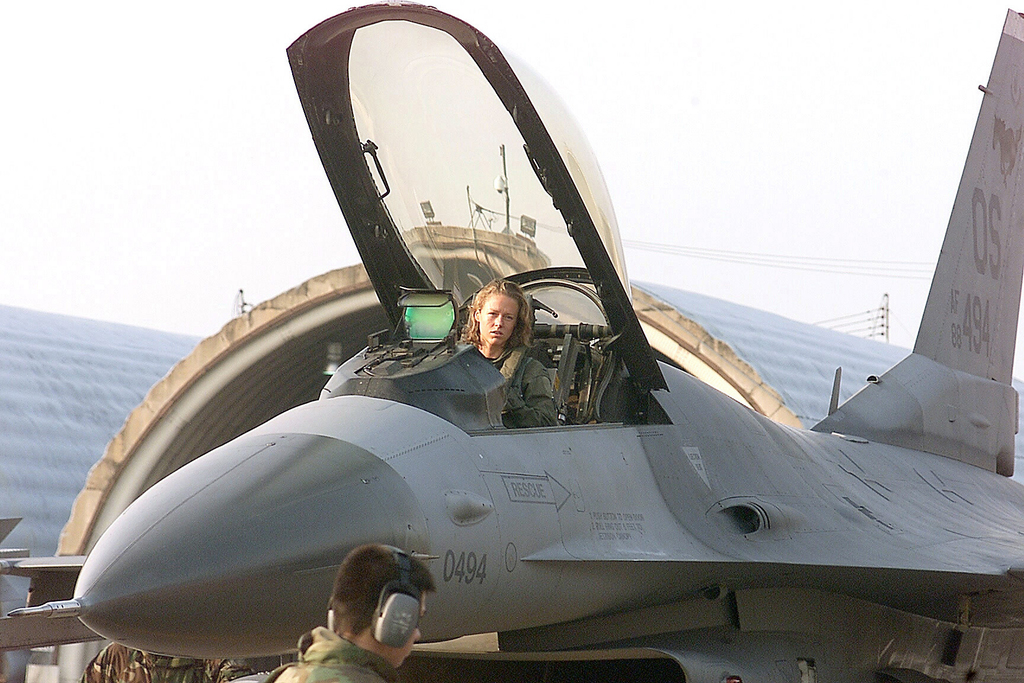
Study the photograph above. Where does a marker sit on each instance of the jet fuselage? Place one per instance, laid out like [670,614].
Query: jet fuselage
[527,528]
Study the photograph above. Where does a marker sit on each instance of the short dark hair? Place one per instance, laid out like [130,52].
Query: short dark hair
[363,574]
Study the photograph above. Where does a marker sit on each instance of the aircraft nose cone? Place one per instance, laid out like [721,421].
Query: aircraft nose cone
[235,553]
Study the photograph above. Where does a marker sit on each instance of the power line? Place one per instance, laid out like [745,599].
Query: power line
[846,319]
[873,323]
[909,270]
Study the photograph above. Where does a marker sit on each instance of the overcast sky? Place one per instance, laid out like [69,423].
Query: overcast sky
[155,158]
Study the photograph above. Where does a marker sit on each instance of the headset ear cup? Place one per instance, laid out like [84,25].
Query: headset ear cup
[396,619]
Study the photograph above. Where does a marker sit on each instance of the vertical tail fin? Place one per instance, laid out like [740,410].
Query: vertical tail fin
[952,396]
[970,318]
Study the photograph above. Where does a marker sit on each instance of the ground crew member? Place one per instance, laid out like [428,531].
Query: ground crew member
[379,595]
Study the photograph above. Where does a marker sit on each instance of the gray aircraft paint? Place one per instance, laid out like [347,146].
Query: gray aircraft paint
[886,542]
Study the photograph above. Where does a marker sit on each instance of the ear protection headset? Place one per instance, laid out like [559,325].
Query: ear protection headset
[398,608]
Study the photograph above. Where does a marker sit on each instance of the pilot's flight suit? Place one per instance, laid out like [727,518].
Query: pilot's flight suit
[528,401]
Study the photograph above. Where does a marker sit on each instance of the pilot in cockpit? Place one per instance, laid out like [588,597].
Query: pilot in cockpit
[500,327]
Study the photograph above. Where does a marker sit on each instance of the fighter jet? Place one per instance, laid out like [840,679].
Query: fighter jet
[659,520]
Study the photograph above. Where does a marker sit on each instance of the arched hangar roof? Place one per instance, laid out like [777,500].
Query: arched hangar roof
[66,384]
[272,359]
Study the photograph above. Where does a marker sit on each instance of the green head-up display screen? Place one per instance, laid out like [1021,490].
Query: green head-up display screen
[428,316]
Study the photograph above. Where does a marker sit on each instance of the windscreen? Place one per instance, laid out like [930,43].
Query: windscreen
[451,164]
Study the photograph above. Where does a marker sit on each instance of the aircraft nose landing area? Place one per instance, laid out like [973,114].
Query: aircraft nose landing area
[239,534]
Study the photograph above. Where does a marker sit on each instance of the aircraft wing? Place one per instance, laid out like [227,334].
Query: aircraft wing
[52,579]
[39,631]
[997,593]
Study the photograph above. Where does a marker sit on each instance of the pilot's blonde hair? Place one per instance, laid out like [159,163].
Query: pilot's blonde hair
[522,333]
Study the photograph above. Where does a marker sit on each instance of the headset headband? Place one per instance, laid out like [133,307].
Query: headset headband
[403,584]
[398,607]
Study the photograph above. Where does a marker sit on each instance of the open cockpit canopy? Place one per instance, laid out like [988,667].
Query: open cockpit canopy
[452,169]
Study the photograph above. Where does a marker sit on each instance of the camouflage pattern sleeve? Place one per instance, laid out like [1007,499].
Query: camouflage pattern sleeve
[117,664]
[289,673]
[223,670]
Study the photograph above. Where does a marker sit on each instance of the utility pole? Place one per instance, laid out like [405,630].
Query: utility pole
[501,185]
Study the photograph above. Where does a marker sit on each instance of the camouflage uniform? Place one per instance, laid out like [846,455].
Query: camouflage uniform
[118,664]
[332,659]
[528,400]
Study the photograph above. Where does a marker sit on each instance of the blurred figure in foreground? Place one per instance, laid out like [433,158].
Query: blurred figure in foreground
[373,615]
[119,664]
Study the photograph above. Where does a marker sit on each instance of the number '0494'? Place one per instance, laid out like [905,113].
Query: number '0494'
[972,331]
[465,567]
